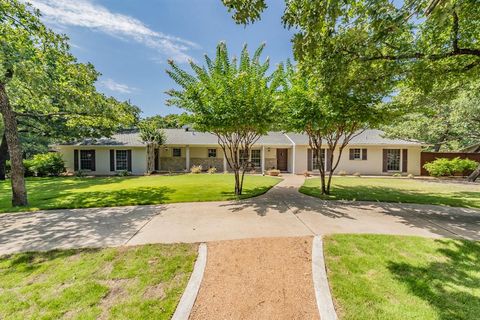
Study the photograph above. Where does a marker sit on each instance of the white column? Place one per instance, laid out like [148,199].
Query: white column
[187,157]
[263,159]
[225,164]
[293,161]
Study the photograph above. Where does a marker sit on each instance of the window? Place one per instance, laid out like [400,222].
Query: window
[177,152]
[256,158]
[357,154]
[212,153]
[243,156]
[393,159]
[121,160]
[87,160]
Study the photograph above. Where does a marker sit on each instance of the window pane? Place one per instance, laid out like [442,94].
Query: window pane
[316,161]
[256,158]
[177,152]
[393,159]
[212,153]
[86,159]
[121,160]
[357,154]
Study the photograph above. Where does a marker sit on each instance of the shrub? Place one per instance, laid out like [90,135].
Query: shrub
[196,169]
[80,174]
[29,172]
[48,164]
[123,173]
[212,170]
[410,176]
[342,173]
[273,172]
[442,167]
[306,174]
[357,174]
[396,175]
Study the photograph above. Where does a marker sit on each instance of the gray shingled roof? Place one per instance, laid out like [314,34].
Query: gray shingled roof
[367,137]
[191,137]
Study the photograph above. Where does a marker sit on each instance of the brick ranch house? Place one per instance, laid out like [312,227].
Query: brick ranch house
[369,153]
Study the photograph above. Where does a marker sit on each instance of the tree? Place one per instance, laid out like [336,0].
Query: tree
[446,117]
[42,85]
[233,99]
[170,121]
[329,118]
[3,151]
[154,138]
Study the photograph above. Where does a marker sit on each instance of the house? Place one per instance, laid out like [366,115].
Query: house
[369,153]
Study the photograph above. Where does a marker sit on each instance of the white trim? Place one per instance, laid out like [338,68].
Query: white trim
[263,159]
[184,307]
[293,152]
[325,306]
[187,157]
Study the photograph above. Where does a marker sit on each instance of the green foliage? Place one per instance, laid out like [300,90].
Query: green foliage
[27,164]
[449,167]
[245,11]
[170,121]
[150,133]
[234,99]
[48,164]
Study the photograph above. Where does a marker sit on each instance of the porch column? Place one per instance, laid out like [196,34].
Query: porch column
[187,157]
[225,164]
[293,160]
[263,159]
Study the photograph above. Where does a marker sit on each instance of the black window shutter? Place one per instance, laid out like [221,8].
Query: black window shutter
[351,155]
[384,160]
[93,160]
[404,160]
[309,160]
[75,160]
[129,160]
[112,160]
[364,154]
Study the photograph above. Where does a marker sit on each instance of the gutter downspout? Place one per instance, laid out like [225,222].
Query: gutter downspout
[293,152]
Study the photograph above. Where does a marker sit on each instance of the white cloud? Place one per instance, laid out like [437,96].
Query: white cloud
[87,14]
[111,85]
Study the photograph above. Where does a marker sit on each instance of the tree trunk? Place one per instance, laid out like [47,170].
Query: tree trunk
[3,156]
[150,158]
[474,175]
[238,189]
[19,190]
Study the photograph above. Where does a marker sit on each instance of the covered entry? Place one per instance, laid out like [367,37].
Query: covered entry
[282,159]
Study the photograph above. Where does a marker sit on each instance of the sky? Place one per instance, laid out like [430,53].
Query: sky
[130,41]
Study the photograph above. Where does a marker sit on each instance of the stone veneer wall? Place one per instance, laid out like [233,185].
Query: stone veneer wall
[172,164]
[270,163]
[208,163]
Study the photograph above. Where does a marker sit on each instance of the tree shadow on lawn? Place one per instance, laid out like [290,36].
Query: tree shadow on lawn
[466,199]
[447,286]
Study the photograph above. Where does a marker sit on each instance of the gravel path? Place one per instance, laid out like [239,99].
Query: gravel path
[258,279]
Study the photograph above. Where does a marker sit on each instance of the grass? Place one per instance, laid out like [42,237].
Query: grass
[141,282]
[398,190]
[63,193]
[393,277]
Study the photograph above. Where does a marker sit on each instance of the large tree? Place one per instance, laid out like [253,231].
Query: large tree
[234,99]
[41,81]
[170,121]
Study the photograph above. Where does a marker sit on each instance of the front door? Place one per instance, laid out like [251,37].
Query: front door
[282,159]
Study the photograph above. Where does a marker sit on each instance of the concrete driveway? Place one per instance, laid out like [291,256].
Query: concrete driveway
[281,212]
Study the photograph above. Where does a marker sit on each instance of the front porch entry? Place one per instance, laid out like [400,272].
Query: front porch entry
[282,159]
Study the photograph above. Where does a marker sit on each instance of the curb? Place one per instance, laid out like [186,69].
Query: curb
[184,307]
[323,295]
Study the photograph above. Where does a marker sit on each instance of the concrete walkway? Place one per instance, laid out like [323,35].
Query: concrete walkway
[281,212]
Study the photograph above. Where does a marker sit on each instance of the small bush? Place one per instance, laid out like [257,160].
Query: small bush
[273,172]
[306,174]
[342,173]
[196,169]
[410,176]
[357,174]
[80,174]
[396,175]
[48,164]
[443,167]
[212,170]
[27,164]
[123,173]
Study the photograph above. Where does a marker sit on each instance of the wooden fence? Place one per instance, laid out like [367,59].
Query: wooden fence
[431,156]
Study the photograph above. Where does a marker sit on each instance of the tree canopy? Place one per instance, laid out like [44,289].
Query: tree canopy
[43,89]
[232,98]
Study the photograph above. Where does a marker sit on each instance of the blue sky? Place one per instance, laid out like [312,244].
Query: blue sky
[129,41]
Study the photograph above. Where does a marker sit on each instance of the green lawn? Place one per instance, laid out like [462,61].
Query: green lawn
[144,282]
[398,190]
[393,277]
[60,193]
